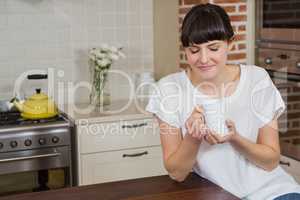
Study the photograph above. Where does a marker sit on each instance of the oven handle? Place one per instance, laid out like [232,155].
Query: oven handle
[284,76]
[30,157]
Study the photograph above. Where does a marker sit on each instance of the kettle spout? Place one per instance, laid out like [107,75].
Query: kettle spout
[18,104]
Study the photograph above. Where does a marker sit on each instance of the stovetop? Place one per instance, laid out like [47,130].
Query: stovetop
[14,118]
[17,133]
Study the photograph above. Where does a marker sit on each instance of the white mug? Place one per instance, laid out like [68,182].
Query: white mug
[215,117]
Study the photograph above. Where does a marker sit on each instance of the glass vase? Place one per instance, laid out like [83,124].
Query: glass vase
[100,95]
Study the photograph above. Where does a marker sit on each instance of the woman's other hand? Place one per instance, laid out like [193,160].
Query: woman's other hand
[215,138]
[195,124]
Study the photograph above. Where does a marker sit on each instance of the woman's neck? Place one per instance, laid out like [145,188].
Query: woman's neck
[226,77]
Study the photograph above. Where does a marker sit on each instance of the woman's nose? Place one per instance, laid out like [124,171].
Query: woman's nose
[203,57]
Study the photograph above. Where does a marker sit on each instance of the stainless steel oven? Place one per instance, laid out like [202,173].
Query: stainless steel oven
[278,58]
[283,65]
[278,51]
[35,155]
[289,123]
[278,21]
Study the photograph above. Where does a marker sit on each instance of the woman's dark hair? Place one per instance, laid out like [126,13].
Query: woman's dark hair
[205,22]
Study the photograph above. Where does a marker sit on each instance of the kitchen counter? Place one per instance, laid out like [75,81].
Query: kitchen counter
[151,188]
[117,110]
[290,150]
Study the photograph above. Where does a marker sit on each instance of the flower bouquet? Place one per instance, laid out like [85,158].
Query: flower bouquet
[100,60]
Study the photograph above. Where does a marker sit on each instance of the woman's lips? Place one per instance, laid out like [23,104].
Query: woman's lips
[205,67]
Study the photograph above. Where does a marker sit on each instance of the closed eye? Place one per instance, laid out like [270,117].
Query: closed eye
[194,50]
[214,48]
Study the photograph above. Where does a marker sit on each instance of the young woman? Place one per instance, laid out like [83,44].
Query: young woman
[244,160]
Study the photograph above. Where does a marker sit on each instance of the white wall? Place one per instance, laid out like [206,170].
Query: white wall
[38,34]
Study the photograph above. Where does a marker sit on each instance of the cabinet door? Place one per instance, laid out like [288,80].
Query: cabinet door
[118,135]
[121,165]
[291,166]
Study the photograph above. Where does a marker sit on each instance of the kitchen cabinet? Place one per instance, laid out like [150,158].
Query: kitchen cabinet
[291,166]
[118,150]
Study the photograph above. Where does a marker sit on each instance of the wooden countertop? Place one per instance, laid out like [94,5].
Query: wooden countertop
[151,188]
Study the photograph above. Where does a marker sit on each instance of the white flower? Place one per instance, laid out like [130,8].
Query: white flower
[100,55]
[103,62]
[104,56]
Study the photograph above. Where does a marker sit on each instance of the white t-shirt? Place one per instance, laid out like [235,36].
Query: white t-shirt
[254,103]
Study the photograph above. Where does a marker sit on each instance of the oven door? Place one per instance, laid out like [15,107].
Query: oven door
[289,123]
[35,170]
[278,21]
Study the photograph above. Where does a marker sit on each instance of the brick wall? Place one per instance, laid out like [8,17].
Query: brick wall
[237,11]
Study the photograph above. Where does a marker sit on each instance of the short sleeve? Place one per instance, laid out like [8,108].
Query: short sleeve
[266,101]
[164,102]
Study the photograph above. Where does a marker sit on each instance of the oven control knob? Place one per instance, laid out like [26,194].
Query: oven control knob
[42,141]
[1,145]
[27,142]
[13,144]
[268,61]
[55,139]
[298,64]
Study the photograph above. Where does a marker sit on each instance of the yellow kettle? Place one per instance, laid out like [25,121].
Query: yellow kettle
[37,106]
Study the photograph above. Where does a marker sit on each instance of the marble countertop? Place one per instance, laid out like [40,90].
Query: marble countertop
[82,113]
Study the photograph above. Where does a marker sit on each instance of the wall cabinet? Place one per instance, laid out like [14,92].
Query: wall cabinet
[291,166]
[118,150]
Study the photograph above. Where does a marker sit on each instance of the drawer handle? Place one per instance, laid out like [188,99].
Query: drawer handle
[284,163]
[283,56]
[136,154]
[134,125]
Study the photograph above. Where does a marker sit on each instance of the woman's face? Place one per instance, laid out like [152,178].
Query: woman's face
[207,59]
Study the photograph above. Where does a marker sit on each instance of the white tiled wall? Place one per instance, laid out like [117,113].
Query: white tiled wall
[42,34]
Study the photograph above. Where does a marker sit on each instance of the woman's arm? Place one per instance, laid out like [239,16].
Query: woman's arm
[179,153]
[265,153]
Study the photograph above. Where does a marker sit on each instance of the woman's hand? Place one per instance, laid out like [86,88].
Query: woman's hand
[215,138]
[195,124]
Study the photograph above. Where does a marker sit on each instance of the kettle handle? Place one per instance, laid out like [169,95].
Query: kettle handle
[37,76]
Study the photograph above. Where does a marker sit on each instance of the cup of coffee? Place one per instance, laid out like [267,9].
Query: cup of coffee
[215,117]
